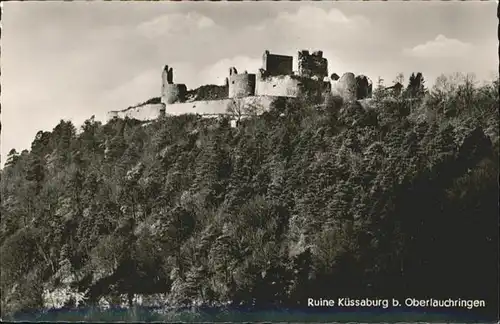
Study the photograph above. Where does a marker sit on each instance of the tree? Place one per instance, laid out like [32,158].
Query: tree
[400,78]
[12,158]
[240,108]
[361,201]
[379,93]
[416,87]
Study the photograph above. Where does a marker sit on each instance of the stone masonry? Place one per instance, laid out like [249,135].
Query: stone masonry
[276,79]
[312,65]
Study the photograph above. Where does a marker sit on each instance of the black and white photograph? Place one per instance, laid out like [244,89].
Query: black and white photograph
[249,161]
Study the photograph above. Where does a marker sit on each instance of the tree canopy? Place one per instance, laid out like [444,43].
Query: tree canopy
[389,200]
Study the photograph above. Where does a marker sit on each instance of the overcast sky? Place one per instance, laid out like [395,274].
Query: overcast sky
[71,60]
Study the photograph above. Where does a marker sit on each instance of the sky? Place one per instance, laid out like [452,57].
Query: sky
[71,60]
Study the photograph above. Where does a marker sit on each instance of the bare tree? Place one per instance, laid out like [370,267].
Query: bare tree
[241,108]
[400,78]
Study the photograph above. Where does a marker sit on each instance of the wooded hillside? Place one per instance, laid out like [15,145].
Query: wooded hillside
[400,199]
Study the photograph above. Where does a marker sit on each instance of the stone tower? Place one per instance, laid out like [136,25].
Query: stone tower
[171,92]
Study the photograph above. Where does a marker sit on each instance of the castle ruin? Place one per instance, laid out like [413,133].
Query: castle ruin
[171,92]
[312,66]
[276,79]
[240,85]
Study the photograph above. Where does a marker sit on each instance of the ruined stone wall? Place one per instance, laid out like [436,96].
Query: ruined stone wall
[207,108]
[208,92]
[280,86]
[277,64]
[314,90]
[241,85]
[145,112]
[351,87]
[172,93]
[220,107]
[345,87]
[112,114]
[167,75]
[312,65]
[363,87]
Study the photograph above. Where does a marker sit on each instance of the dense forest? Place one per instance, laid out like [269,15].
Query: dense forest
[398,198]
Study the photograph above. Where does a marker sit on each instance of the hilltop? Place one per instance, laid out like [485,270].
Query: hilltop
[253,93]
